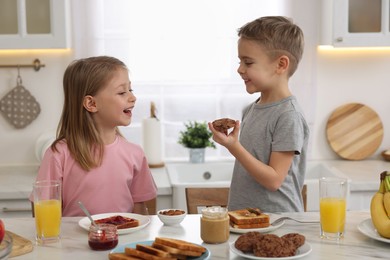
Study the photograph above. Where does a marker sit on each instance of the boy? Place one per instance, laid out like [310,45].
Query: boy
[271,153]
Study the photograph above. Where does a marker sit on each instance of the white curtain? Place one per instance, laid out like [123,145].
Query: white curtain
[187,40]
[88,27]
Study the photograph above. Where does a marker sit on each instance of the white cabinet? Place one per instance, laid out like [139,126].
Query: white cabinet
[356,23]
[360,200]
[34,24]
[10,208]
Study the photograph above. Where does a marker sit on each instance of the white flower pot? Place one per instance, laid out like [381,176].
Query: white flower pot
[197,155]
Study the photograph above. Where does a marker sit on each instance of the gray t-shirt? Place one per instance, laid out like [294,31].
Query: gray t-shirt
[278,127]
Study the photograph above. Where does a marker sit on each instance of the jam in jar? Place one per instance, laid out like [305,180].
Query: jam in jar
[102,237]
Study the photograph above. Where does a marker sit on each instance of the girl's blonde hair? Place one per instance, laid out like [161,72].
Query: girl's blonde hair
[278,36]
[76,127]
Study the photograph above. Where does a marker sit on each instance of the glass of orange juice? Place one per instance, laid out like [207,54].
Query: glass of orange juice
[47,210]
[333,207]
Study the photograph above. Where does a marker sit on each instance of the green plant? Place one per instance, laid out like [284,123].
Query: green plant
[196,135]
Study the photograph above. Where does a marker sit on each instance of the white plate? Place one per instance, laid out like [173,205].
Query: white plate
[121,249]
[272,217]
[304,250]
[367,228]
[143,221]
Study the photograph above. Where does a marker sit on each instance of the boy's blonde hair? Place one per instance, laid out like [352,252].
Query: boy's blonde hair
[76,127]
[278,36]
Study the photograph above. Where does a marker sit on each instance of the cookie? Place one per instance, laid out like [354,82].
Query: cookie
[222,125]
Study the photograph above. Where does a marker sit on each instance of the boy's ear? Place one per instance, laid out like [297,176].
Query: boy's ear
[283,63]
[89,104]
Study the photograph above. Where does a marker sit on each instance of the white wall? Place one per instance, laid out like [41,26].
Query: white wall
[17,145]
[354,75]
[337,77]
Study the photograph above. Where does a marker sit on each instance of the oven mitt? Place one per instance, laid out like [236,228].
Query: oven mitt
[19,107]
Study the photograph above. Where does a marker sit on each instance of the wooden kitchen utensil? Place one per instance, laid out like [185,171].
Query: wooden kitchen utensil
[20,245]
[354,131]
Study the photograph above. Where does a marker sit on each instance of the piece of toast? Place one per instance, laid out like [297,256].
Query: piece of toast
[249,226]
[248,216]
[175,251]
[121,256]
[152,250]
[119,221]
[224,124]
[180,244]
[144,255]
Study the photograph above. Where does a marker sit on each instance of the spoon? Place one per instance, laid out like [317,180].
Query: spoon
[87,213]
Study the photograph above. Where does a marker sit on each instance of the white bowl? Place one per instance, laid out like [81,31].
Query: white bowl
[6,247]
[170,220]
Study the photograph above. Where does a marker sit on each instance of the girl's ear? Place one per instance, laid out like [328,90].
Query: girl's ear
[90,104]
[283,63]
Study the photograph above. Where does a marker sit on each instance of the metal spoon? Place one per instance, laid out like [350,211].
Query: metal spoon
[87,213]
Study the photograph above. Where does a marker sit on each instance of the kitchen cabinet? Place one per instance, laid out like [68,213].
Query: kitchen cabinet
[360,200]
[34,24]
[12,208]
[356,23]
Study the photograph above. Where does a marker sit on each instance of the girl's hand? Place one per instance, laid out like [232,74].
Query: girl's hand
[223,139]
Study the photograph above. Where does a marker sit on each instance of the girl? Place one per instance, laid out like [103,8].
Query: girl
[95,163]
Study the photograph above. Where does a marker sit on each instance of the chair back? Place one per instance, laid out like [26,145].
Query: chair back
[198,198]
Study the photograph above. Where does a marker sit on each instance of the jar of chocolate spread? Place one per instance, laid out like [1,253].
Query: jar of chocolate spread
[214,225]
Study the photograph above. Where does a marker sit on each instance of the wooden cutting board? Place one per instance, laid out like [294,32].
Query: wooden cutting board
[354,131]
[20,245]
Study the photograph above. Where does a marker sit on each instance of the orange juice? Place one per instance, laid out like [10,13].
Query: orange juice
[48,218]
[332,214]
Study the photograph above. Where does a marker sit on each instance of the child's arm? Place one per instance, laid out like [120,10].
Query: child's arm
[270,176]
[140,208]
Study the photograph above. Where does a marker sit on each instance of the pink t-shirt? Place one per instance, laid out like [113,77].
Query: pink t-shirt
[123,179]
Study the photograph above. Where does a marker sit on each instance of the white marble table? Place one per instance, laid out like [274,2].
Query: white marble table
[74,244]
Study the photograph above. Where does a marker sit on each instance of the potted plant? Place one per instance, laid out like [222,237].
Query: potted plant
[196,137]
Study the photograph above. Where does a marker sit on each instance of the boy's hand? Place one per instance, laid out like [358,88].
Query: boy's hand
[225,139]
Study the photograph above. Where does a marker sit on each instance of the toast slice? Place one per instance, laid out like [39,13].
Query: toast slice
[175,251]
[144,255]
[119,221]
[152,250]
[121,256]
[248,216]
[180,244]
[249,226]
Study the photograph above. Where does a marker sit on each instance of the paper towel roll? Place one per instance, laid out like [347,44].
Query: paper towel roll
[152,141]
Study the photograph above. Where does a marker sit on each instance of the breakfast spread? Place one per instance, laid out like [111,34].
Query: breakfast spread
[222,125]
[119,221]
[172,212]
[269,245]
[161,248]
[248,218]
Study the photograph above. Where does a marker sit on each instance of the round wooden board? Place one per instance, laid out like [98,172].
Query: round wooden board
[354,131]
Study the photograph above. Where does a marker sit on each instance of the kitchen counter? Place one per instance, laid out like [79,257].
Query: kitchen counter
[74,245]
[364,175]
[16,182]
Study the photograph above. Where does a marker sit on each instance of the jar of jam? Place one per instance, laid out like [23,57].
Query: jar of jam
[214,225]
[102,237]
